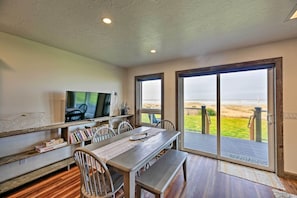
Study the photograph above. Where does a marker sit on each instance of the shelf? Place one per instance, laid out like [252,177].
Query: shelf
[16,157]
[23,155]
[23,179]
[78,142]
[34,164]
[58,125]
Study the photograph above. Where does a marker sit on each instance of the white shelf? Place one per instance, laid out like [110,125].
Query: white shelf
[58,125]
[21,160]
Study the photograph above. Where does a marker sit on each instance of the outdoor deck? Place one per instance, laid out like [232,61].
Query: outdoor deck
[244,150]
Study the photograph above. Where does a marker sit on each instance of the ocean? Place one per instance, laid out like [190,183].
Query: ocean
[243,102]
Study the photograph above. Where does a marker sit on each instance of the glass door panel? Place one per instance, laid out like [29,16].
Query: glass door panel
[229,115]
[243,116]
[199,118]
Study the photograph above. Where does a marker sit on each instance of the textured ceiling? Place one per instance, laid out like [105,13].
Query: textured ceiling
[175,28]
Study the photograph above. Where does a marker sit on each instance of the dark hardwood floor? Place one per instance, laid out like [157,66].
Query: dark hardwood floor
[204,181]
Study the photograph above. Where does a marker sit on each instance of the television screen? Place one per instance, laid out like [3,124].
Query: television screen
[86,105]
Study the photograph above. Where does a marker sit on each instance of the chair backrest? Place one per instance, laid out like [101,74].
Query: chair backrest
[166,124]
[96,180]
[124,126]
[103,133]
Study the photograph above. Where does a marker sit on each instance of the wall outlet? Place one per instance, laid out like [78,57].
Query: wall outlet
[290,116]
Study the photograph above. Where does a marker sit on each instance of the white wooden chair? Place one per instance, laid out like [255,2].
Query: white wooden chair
[124,126]
[166,124]
[169,126]
[96,179]
[103,133]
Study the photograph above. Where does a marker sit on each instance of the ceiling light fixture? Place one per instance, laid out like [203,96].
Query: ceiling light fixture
[107,20]
[153,51]
[294,15]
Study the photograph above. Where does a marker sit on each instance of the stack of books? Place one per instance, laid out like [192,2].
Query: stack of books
[80,135]
[50,145]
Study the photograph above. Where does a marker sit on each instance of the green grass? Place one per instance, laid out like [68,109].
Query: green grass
[230,127]
[145,117]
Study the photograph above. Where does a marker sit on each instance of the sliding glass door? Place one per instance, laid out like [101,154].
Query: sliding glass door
[229,115]
[200,113]
[243,117]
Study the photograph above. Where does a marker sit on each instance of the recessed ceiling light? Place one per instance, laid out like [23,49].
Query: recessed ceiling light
[294,15]
[153,51]
[107,20]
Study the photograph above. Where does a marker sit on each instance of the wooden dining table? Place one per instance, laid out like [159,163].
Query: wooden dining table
[128,155]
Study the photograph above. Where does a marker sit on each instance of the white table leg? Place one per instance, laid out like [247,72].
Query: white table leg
[129,184]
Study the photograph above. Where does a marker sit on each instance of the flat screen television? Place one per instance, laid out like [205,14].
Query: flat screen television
[82,105]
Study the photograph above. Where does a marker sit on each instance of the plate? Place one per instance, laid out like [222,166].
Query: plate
[138,136]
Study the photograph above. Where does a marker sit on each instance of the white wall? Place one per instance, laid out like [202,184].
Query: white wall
[34,78]
[286,49]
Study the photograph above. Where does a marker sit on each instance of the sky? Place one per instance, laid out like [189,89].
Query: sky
[151,90]
[247,85]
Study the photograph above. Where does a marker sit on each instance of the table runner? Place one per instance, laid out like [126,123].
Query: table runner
[116,148]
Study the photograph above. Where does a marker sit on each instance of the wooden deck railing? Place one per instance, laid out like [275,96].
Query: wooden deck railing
[205,119]
[254,124]
[255,121]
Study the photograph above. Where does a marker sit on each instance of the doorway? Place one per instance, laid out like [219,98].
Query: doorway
[229,113]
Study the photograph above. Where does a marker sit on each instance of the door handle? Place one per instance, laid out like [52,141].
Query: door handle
[270,119]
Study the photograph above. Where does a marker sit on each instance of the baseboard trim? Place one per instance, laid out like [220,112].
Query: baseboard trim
[290,175]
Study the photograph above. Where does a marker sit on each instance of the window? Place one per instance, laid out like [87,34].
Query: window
[149,99]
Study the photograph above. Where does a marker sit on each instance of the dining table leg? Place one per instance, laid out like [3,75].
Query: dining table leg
[176,144]
[129,184]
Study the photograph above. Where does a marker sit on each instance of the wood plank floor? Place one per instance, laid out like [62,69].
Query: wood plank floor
[204,181]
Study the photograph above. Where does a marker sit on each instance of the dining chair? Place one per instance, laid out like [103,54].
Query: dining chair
[96,179]
[103,133]
[166,124]
[169,126]
[153,119]
[124,126]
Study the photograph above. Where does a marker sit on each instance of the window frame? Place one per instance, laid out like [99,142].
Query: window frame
[138,97]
